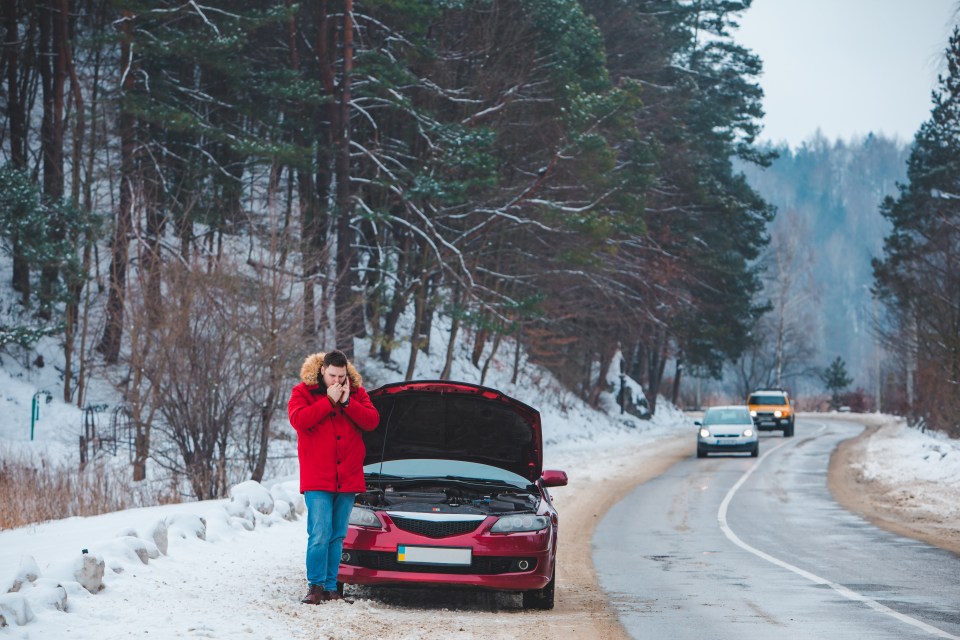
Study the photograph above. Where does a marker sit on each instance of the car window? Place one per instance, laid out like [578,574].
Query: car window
[726,416]
[761,399]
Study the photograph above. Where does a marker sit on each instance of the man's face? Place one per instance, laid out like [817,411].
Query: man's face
[333,375]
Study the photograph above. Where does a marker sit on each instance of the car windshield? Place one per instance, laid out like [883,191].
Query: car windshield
[726,416]
[762,399]
[434,468]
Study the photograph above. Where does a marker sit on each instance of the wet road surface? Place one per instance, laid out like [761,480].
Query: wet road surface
[755,548]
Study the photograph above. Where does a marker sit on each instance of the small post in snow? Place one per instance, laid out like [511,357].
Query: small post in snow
[35,409]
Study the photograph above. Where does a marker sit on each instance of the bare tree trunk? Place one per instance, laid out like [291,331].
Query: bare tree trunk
[493,352]
[75,281]
[266,417]
[349,308]
[454,331]
[656,363]
[17,117]
[678,372]
[419,306]
[151,259]
[479,342]
[397,304]
[516,354]
[113,330]
[90,246]
[53,76]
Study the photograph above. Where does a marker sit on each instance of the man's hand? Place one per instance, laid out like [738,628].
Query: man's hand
[345,396]
[336,391]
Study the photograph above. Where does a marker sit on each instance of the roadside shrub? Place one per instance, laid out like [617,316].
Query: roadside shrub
[33,489]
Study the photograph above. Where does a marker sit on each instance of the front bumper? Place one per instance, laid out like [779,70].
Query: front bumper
[722,445]
[769,423]
[502,562]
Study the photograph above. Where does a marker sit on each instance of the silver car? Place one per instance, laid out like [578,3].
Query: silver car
[725,430]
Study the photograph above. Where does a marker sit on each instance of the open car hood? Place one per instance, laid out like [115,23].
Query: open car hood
[455,421]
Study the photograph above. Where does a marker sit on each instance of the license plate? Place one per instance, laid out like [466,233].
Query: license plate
[768,423]
[461,556]
[726,442]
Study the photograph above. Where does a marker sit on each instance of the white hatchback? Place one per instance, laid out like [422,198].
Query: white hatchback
[727,429]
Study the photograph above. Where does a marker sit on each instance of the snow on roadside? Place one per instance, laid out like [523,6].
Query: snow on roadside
[922,469]
[216,568]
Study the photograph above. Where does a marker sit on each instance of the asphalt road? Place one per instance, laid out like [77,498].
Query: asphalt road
[756,548]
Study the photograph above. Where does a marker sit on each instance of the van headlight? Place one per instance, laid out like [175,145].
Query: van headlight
[748,433]
[704,432]
[512,524]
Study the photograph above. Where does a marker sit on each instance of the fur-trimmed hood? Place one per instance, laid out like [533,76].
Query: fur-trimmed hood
[310,371]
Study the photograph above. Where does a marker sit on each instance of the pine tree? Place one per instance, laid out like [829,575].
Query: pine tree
[835,379]
[918,277]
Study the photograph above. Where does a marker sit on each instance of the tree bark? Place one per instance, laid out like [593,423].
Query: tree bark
[349,306]
[75,281]
[17,118]
[113,330]
[53,76]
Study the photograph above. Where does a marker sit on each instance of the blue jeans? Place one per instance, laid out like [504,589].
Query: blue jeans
[327,516]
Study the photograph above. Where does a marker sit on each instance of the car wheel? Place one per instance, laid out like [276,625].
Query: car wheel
[541,598]
[755,451]
[701,452]
[788,432]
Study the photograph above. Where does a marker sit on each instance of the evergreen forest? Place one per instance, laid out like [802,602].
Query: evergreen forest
[193,188]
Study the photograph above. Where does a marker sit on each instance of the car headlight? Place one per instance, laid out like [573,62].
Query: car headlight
[753,413]
[364,518]
[704,433]
[748,433]
[511,524]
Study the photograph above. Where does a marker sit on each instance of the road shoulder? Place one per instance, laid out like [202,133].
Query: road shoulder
[891,508]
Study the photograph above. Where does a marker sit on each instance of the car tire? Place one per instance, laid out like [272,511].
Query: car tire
[788,432]
[541,598]
[755,451]
[701,452]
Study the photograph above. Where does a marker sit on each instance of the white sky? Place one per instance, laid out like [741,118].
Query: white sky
[848,67]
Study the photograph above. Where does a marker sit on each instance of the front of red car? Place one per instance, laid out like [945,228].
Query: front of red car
[456,495]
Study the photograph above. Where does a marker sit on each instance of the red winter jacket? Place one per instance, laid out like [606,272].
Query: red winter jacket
[329,441]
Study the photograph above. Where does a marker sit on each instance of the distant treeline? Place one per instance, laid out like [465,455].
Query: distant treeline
[828,195]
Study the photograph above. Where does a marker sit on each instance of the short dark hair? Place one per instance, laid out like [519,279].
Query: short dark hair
[335,358]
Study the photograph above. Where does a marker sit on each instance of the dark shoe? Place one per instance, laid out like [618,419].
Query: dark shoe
[335,595]
[316,595]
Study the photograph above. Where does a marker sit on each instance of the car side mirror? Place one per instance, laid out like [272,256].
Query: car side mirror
[697,423]
[554,478]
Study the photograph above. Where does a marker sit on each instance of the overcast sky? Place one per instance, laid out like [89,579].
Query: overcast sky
[848,67]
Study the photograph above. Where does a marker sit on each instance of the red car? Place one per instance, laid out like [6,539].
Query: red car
[456,494]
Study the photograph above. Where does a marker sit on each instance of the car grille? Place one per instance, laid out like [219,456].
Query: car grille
[480,565]
[436,528]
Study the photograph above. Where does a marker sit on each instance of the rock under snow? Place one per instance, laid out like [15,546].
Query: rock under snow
[187,525]
[14,608]
[254,494]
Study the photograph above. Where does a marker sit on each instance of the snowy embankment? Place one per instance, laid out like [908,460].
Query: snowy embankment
[234,567]
[216,568]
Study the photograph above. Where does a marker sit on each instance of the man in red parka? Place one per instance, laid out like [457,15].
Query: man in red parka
[328,409]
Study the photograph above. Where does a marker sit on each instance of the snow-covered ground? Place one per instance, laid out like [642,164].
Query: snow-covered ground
[234,567]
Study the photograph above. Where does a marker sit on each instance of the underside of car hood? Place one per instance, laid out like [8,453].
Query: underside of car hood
[455,421]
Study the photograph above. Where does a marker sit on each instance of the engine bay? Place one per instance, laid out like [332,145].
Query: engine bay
[443,498]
